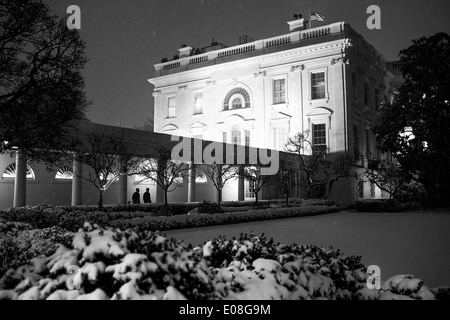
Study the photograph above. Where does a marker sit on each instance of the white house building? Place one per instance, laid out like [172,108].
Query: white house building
[326,80]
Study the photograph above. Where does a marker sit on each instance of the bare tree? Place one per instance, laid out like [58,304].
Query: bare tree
[165,172]
[318,165]
[41,86]
[256,180]
[106,155]
[388,176]
[219,174]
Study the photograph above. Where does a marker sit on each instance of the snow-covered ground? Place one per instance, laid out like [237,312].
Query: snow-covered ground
[414,242]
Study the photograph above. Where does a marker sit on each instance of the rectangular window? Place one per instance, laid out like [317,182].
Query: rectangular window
[198,103]
[280,138]
[356,142]
[368,145]
[247,138]
[366,93]
[224,137]
[319,139]
[318,85]
[354,85]
[279,91]
[171,107]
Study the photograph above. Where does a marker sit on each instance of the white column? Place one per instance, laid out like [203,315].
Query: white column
[20,181]
[191,185]
[77,183]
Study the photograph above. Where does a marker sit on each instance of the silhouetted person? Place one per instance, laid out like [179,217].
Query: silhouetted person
[136,197]
[147,198]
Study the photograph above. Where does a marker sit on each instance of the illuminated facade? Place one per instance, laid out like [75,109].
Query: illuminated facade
[326,80]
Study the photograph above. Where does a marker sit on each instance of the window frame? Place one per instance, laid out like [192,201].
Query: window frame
[325,84]
[169,107]
[285,91]
[195,94]
[325,136]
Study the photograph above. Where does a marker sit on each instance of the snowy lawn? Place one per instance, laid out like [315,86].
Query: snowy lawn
[415,242]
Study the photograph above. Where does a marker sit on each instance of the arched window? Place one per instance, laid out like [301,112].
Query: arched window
[237,98]
[64,173]
[237,103]
[10,172]
[236,135]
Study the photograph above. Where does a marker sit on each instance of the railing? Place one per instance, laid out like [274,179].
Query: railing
[292,37]
[198,59]
[277,41]
[171,65]
[316,32]
[236,50]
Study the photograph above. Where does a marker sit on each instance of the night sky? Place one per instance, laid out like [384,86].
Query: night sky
[125,38]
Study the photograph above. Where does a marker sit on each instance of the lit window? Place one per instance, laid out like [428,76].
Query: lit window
[279,91]
[280,138]
[10,172]
[236,98]
[171,107]
[64,173]
[198,103]
[319,139]
[236,104]
[236,135]
[247,138]
[318,85]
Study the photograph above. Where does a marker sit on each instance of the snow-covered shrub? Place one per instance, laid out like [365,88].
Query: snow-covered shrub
[19,243]
[138,264]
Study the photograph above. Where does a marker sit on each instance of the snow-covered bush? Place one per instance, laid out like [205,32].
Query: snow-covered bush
[133,264]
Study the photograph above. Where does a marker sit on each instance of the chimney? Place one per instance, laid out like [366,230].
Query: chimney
[184,51]
[298,24]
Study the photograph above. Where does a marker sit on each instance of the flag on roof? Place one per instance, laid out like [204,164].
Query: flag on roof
[317,16]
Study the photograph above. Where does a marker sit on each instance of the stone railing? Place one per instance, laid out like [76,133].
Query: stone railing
[236,50]
[293,37]
[198,59]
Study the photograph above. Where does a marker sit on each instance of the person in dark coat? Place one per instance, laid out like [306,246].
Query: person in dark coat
[136,196]
[147,198]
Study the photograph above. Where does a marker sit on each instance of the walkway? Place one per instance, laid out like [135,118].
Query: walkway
[416,242]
